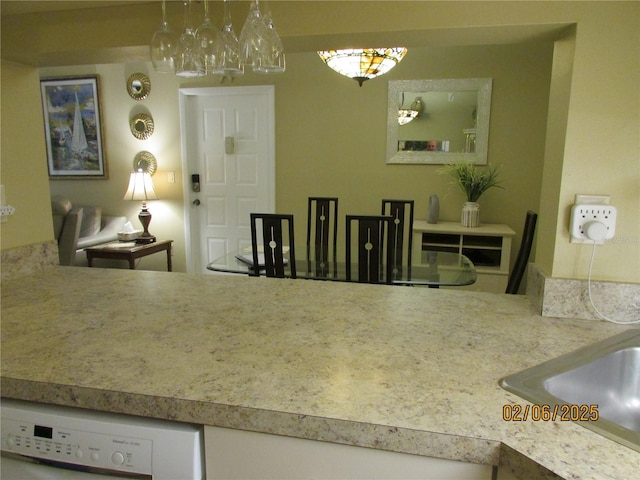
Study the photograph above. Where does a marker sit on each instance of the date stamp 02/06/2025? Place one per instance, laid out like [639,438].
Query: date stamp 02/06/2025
[550,413]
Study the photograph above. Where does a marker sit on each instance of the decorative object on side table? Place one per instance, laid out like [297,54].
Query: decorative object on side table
[473,181]
[433,213]
[141,189]
[128,233]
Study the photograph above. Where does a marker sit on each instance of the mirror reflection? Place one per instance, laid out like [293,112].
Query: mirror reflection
[438,121]
[138,86]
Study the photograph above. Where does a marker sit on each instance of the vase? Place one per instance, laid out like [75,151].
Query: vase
[471,214]
[433,213]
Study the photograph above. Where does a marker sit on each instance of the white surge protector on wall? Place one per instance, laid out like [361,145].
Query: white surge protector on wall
[592,223]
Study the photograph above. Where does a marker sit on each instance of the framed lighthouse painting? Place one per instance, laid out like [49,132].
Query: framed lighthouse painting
[73,127]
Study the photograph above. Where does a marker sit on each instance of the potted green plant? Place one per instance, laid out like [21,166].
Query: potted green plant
[473,181]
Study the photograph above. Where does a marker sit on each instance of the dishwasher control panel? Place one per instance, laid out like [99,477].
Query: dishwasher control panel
[50,439]
[101,441]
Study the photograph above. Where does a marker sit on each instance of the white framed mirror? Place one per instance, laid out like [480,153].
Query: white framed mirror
[452,123]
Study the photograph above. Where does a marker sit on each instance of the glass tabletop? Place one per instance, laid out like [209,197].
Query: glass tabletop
[435,269]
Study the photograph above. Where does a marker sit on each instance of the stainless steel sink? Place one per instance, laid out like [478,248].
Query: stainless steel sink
[606,374]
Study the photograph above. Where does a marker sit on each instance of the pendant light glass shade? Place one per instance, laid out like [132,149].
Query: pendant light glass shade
[187,65]
[260,44]
[208,44]
[230,61]
[362,64]
[164,47]
[209,50]
[271,54]
[249,38]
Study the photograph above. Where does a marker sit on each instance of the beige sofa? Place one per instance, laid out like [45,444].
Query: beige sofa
[78,227]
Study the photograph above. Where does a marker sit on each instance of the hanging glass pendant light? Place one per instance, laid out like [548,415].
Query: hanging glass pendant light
[362,64]
[270,58]
[207,44]
[230,61]
[164,46]
[250,35]
[186,58]
[210,50]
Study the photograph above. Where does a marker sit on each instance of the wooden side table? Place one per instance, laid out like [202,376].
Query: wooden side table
[125,251]
[487,246]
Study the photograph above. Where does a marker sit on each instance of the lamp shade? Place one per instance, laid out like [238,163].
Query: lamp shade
[140,187]
[363,63]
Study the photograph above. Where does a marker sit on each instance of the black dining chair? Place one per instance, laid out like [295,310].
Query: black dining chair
[520,265]
[268,242]
[373,257]
[400,234]
[322,235]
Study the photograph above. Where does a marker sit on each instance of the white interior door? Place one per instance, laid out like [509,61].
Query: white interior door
[228,137]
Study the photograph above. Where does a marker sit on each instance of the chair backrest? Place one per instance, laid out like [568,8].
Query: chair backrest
[322,235]
[268,244]
[373,255]
[520,265]
[400,234]
[68,239]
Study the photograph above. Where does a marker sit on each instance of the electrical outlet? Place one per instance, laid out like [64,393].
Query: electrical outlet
[592,223]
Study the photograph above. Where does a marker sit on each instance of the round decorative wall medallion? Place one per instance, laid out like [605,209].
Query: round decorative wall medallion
[138,86]
[141,126]
[146,162]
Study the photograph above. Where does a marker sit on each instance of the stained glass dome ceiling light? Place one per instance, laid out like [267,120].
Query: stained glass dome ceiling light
[362,64]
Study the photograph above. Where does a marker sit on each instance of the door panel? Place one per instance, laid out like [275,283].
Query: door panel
[237,176]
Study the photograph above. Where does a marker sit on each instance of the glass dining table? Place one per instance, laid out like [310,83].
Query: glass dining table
[435,269]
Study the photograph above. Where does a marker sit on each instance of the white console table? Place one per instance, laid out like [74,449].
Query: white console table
[487,246]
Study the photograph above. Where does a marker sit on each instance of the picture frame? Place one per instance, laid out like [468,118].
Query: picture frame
[73,127]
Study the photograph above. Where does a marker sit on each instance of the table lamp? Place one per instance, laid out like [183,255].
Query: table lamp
[141,189]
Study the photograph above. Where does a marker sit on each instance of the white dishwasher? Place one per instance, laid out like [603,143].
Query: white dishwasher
[49,442]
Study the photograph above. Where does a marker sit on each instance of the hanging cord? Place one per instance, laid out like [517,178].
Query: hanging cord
[603,317]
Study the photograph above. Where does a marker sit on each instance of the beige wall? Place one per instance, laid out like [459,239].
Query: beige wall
[597,98]
[554,150]
[121,147]
[331,137]
[602,146]
[23,172]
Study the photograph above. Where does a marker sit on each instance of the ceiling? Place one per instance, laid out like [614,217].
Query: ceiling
[15,7]
[123,37]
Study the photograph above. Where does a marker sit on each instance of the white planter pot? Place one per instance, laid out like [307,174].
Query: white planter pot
[470,214]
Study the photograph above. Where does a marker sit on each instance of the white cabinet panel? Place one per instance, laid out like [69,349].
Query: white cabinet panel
[236,454]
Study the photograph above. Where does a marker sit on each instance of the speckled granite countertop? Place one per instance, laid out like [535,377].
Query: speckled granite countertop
[407,369]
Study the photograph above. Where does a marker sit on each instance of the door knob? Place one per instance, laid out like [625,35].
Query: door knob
[196,202]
